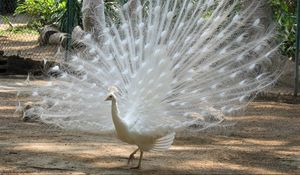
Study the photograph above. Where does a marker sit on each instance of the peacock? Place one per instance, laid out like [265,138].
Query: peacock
[160,67]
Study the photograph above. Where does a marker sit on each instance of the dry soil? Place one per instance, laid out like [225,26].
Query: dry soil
[265,140]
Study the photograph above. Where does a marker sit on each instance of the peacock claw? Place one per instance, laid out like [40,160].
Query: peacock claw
[136,168]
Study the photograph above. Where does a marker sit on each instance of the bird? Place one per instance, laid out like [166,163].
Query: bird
[127,133]
[165,66]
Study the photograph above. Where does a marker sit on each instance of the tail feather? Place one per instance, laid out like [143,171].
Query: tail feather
[164,143]
[173,62]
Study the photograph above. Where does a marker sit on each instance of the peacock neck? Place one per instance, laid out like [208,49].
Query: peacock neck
[120,126]
[115,109]
[115,114]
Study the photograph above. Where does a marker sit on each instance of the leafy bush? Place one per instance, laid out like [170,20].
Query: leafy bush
[285,15]
[44,11]
[48,12]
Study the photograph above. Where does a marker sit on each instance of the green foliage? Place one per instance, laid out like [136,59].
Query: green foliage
[19,30]
[285,15]
[44,11]
[47,12]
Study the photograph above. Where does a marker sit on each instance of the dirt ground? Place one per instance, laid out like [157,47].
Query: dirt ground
[265,140]
[25,45]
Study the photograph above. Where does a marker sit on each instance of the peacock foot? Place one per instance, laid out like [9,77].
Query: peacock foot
[130,159]
[131,156]
[136,168]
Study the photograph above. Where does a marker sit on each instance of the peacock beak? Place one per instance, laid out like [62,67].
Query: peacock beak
[107,98]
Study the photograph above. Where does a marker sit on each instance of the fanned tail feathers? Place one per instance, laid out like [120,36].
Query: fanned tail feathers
[174,63]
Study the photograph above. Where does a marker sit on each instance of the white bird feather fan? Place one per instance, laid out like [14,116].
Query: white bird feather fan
[171,63]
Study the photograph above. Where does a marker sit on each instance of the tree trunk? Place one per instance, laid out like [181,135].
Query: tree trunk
[264,11]
[93,22]
[93,18]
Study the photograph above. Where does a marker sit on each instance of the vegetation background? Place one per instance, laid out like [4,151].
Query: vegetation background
[54,12]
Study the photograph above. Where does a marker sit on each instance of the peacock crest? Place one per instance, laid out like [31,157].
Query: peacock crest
[113,90]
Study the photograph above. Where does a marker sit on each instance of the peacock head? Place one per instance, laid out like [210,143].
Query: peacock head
[111,95]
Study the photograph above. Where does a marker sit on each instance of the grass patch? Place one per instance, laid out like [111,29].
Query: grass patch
[20,30]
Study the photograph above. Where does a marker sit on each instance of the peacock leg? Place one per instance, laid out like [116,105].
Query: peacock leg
[131,156]
[140,162]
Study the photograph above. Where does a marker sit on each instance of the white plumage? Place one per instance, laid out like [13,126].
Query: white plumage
[172,63]
[126,131]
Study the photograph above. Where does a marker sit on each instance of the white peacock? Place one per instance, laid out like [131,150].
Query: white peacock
[171,63]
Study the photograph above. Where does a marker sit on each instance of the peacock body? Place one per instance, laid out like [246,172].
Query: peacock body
[165,65]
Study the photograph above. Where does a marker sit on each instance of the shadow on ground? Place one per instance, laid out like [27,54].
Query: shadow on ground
[264,141]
